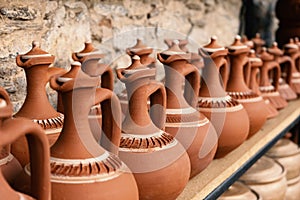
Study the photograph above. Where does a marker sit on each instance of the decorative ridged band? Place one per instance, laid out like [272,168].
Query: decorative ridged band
[52,123]
[243,95]
[177,118]
[92,166]
[145,143]
[225,102]
[6,158]
[267,89]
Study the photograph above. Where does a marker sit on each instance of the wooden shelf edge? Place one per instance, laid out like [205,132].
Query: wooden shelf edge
[221,173]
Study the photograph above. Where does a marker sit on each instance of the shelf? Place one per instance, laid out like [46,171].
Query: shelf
[221,173]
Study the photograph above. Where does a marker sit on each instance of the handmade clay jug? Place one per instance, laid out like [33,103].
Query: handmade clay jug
[266,177]
[36,105]
[189,126]
[159,162]
[238,89]
[287,65]
[12,129]
[91,57]
[9,165]
[216,105]
[256,63]
[268,88]
[81,168]
[293,189]
[292,50]
[239,191]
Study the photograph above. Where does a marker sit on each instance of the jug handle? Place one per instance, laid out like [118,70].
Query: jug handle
[158,96]
[192,84]
[275,66]
[107,79]
[39,153]
[289,68]
[111,119]
[224,71]
[247,71]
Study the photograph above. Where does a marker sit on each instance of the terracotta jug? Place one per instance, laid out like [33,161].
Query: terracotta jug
[159,162]
[12,129]
[269,90]
[292,50]
[266,177]
[91,57]
[81,168]
[189,126]
[287,65]
[36,106]
[9,165]
[238,89]
[256,63]
[218,106]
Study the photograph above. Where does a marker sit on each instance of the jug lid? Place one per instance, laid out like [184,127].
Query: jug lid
[237,46]
[265,56]
[89,50]
[174,49]
[257,40]
[254,60]
[247,42]
[213,46]
[35,52]
[139,49]
[275,50]
[182,43]
[239,191]
[291,47]
[284,147]
[263,171]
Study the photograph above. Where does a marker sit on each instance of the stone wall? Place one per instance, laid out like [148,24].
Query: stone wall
[63,26]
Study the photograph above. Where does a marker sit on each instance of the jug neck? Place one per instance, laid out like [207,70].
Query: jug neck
[36,104]
[211,83]
[76,140]
[174,82]
[236,82]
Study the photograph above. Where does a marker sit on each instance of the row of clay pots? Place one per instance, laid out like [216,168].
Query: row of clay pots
[189,138]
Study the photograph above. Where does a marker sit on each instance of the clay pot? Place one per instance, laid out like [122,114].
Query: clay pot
[92,66]
[189,126]
[268,89]
[10,130]
[9,165]
[36,106]
[288,154]
[238,89]
[160,165]
[238,191]
[287,65]
[292,50]
[268,178]
[256,63]
[293,189]
[218,106]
